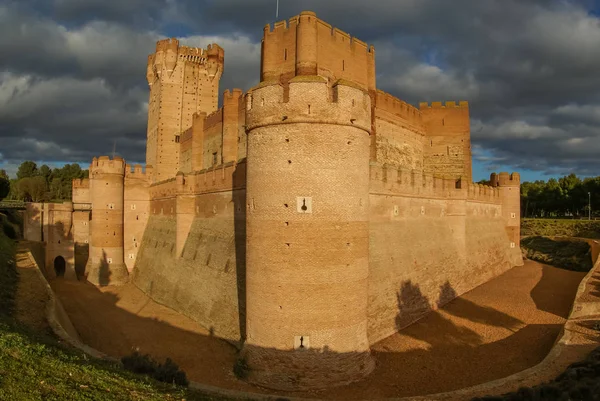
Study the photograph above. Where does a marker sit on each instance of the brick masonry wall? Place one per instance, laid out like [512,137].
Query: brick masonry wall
[423,252]
[205,282]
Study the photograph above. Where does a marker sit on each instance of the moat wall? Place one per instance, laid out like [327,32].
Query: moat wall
[202,281]
[429,242]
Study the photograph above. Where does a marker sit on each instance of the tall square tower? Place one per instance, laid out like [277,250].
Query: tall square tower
[183,80]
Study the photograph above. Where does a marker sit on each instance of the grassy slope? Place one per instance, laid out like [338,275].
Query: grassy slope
[570,254]
[560,227]
[35,366]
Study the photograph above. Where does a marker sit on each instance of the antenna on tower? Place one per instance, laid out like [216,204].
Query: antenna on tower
[277,10]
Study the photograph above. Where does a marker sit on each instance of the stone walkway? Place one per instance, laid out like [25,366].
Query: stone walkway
[500,328]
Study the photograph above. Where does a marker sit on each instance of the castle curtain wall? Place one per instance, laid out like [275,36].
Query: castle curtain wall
[429,243]
[203,277]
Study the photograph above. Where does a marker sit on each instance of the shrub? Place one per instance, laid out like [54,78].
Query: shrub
[168,372]
[241,368]
[9,230]
[554,227]
[8,274]
[570,254]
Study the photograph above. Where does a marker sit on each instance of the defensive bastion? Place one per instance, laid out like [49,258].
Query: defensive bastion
[304,220]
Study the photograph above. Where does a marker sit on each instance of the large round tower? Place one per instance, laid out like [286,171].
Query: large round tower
[307,234]
[106,265]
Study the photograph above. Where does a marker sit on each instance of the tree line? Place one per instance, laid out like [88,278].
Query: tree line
[43,184]
[566,197]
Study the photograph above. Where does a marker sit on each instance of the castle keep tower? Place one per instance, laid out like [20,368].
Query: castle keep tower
[447,148]
[307,229]
[307,45]
[106,264]
[183,80]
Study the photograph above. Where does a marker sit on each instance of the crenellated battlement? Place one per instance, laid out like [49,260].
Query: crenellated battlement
[169,53]
[232,95]
[388,179]
[399,181]
[446,105]
[399,108]
[213,119]
[283,27]
[83,183]
[306,45]
[226,177]
[310,100]
[505,179]
[138,172]
[106,165]
[483,193]
[167,44]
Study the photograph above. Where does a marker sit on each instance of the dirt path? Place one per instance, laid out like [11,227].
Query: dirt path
[119,320]
[499,328]
[31,297]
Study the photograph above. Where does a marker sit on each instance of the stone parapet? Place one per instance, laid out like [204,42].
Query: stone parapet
[310,101]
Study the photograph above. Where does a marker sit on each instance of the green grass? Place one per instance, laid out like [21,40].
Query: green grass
[570,254]
[36,366]
[560,227]
[8,271]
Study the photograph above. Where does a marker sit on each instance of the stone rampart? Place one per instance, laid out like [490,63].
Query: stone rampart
[430,240]
[398,111]
[197,228]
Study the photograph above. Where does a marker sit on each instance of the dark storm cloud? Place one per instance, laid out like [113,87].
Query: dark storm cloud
[74,69]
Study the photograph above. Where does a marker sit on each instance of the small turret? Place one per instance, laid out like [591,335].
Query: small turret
[509,186]
[150,70]
[215,61]
[171,52]
[106,265]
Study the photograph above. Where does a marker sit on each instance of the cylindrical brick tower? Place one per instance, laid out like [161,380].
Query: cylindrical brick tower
[106,265]
[510,192]
[307,234]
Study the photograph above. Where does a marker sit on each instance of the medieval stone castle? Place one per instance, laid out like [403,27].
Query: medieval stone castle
[304,220]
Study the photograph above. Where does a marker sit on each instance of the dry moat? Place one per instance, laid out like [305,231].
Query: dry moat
[501,327]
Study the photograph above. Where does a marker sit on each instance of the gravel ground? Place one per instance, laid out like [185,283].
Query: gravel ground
[502,327]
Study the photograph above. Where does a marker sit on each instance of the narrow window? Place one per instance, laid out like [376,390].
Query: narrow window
[177,138]
[343,65]
[214,158]
[285,54]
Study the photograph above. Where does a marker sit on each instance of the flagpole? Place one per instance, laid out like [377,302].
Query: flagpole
[277,10]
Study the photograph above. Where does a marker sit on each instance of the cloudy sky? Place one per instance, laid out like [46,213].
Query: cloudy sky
[72,72]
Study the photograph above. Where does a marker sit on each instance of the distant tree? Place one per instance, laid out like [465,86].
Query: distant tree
[45,172]
[61,180]
[4,184]
[565,197]
[27,169]
[32,189]
[13,194]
